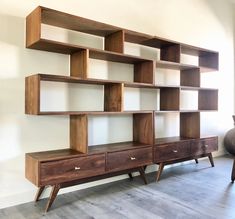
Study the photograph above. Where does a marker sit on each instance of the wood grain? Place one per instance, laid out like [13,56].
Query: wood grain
[207,99]
[169,98]
[32,94]
[32,169]
[79,64]
[190,125]
[113,97]
[79,133]
[33,27]
[171,53]
[143,128]
[144,72]
[114,42]
[190,77]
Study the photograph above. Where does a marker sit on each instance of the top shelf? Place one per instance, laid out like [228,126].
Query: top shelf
[114,39]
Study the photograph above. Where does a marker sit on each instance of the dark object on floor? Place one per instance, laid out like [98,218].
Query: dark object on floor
[229,143]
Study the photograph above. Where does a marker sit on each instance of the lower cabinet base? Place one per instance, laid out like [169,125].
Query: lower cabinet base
[209,155]
[57,187]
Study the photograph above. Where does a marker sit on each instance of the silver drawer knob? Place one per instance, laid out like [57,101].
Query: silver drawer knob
[206,145]
[175,151]
[77,168]
[133,158]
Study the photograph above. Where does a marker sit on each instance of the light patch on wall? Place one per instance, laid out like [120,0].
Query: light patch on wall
[142,51]
[188,100]
[167,77]
[167,125]
[106,129]
[10,147]
[9,60]
[110,70]
[72,37]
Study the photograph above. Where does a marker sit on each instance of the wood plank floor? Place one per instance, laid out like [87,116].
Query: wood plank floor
[186,191]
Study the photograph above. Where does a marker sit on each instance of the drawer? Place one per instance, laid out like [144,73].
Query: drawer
[204,146]
[71,169]
[129,159]
[171,151]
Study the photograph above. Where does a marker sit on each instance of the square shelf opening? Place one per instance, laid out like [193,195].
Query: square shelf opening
[189,100]
[58,97]
[106,131]
[141,99]
[71,37]
[167,125]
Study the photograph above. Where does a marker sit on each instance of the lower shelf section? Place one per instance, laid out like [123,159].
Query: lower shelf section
[62,168]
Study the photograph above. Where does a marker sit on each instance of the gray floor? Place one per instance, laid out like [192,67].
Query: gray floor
[186,191]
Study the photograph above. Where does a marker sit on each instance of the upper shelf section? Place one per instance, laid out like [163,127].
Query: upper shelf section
[114,38]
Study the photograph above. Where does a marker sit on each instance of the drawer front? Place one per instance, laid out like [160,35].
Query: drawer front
[129,159]
[204,146]
[171,151]
[71,169]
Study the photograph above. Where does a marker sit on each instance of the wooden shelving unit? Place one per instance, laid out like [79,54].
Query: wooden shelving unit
[80,162]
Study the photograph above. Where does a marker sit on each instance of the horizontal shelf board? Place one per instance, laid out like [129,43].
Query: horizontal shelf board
[91,112]
[197,51]
[174,65]
[55,154]
[120,146]
[170,140]
[72,22]
[66,48]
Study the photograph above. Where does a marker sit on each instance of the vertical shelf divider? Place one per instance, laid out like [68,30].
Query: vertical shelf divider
[190,125]
[79,133]
[171,53]
[113,97]
[143,128]
[115,42]
[33,26]
[32,94]
[144,72]
[79,62]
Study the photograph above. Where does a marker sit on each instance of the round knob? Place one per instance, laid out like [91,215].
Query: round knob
[77,168]
[175,151]
[133,158]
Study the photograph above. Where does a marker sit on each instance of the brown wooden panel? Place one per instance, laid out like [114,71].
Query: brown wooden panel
[32,169]
[32,94]
[209,60]
[208,99]
[33,27]
[190,125]
[115,42]
[144,72]
[113,97]
[143,128]
[56,172]
[163,153]
[190,77]
[79,133]
[169,98]
[79,64]
[129,159]
[204,146]
[170,53]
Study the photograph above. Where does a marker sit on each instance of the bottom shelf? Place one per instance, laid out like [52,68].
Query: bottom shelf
[95,149]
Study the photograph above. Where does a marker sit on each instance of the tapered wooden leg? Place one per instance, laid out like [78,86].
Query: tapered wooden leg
[130,176]
[54,191]
[142,174]
[211,159]
[159,172]
[39,192]
[196,160]
[233,172]
[145,167]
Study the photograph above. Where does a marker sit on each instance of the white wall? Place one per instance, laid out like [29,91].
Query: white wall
[203,23]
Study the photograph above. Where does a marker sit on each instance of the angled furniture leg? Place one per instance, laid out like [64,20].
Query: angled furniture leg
[233,172]
[39,192]
[54,191]
[142,174]
[196,160]
[211,159]
[130,176]
[159,172]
